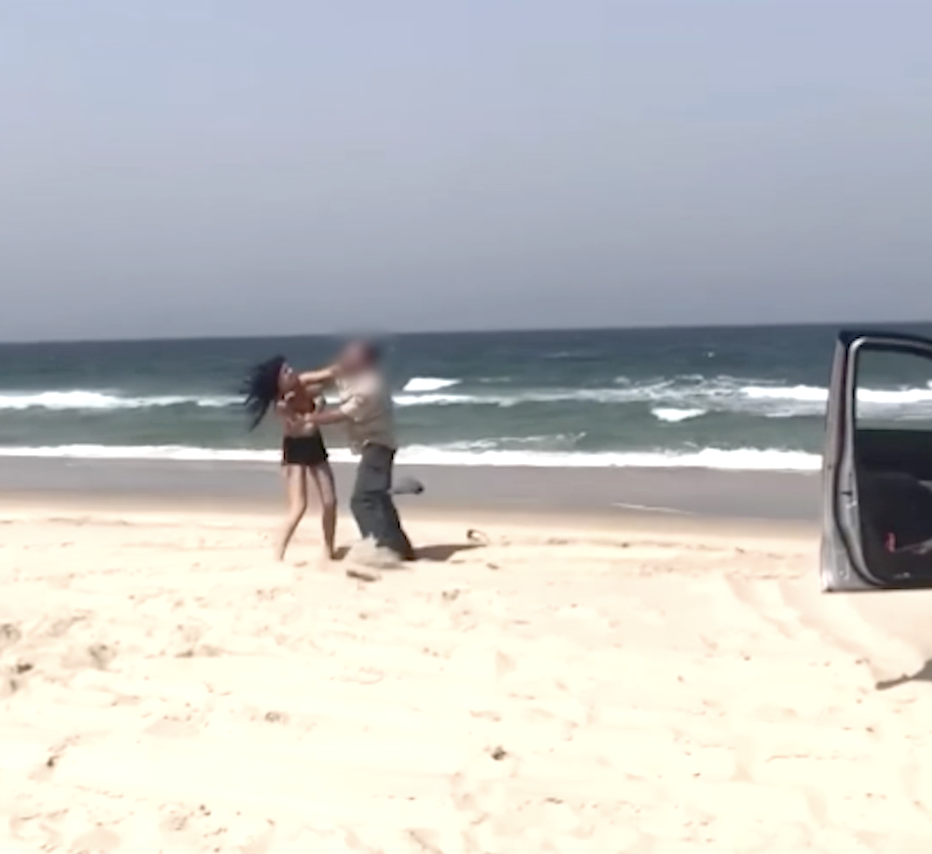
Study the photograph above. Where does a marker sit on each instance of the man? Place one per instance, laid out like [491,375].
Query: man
[366,410]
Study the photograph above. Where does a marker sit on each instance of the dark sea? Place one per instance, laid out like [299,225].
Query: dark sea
[727,398]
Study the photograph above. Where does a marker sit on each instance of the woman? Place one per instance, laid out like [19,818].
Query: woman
[303,452]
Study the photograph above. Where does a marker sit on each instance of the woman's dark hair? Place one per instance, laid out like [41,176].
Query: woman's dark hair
[260,389]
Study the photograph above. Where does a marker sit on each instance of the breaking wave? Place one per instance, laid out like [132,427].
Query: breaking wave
[460,454]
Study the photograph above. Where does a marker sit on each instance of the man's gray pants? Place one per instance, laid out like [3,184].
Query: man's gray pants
[372,504]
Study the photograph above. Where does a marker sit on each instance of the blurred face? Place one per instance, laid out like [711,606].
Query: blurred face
[288,379]
[355,357]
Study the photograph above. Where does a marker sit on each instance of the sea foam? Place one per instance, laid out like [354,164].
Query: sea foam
[421,384]
[78,399]
[735,459]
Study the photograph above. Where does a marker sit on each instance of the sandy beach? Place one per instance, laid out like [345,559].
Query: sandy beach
[657,684]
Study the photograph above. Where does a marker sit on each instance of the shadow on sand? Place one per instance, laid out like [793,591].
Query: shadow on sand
[475,539]
[443,551]
[924,674]
[438,553]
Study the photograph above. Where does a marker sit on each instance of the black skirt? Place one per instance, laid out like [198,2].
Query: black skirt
[304,450]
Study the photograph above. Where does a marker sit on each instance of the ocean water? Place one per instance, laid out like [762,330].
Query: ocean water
[727,398]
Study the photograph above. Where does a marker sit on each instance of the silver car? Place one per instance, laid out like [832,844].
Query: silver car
[877,466]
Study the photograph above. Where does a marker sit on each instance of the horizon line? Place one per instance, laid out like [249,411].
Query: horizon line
[162,339]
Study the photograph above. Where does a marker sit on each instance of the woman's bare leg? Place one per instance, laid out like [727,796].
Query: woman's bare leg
[296,491]
[326,491]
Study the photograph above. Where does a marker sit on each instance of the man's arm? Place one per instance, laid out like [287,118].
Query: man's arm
[329,416]
[355,408]
[323,377]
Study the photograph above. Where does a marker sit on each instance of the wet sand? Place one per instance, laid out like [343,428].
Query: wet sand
[564,491]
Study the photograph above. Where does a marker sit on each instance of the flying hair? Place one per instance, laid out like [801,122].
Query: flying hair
[260,389]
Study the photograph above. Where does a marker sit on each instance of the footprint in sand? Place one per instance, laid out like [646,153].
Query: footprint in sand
[10,634]
[363,574]
[99,839]
[101,655]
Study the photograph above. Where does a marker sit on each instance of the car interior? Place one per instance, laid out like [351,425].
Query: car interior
[893,465]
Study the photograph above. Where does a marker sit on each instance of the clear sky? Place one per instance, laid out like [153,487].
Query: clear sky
[184,167]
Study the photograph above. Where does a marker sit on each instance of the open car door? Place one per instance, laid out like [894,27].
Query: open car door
[877,465]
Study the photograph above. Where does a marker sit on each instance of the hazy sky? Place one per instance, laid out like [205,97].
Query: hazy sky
[177,167]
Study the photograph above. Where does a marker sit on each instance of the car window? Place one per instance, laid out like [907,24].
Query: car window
[894,390]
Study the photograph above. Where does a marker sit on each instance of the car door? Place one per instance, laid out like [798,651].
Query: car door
[877,465]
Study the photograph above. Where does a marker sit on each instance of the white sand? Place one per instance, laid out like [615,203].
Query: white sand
[164,687]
